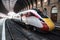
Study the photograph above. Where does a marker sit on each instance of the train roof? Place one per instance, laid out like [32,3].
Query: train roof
[33,11]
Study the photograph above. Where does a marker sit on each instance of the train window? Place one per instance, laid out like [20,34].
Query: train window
[32,14]
[41,13]
[28,14]
[41,19]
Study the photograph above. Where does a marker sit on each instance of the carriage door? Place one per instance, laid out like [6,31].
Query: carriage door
[54,14]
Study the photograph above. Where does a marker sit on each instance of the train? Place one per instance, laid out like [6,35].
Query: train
[35,20]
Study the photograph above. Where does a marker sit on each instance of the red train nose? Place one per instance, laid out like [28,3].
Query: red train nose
[45,27]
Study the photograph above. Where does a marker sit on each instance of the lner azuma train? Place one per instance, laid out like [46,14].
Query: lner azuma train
[36,20]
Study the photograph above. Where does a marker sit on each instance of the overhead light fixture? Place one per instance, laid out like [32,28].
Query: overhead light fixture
[34,4]
[45,0]
[38,2]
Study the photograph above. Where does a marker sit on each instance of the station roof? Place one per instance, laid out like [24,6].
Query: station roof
[20,4]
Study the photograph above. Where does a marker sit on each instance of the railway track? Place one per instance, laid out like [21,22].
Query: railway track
[53,35]
[15,31]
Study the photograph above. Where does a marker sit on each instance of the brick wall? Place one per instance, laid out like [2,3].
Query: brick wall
[49,7]
[58,20]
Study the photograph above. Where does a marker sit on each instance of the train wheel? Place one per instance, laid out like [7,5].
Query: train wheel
[27,27]
[34,29]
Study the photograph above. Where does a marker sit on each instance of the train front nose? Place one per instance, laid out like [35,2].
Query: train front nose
[50,25]
[45,27]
